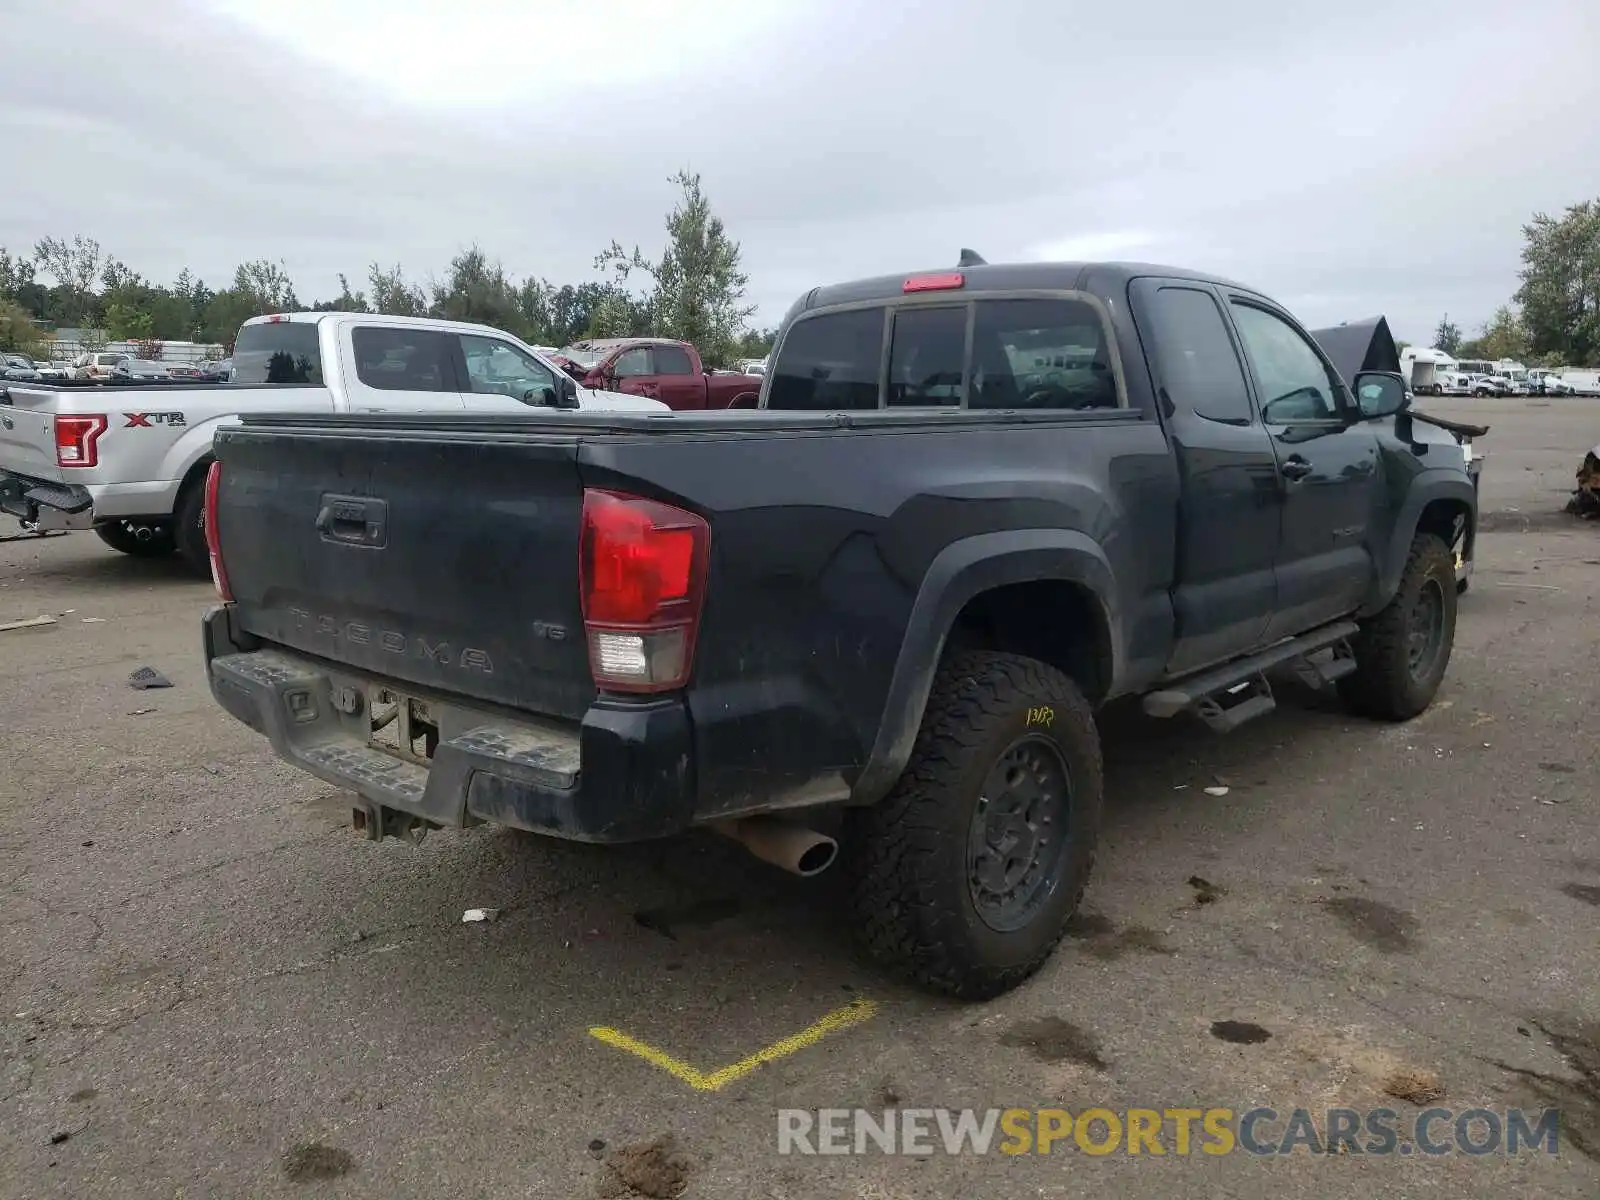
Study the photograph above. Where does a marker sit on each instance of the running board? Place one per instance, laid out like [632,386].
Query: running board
[1228,696]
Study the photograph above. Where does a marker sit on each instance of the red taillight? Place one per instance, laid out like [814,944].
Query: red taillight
[934,283]
[219,573]
[78,439]
[642,566]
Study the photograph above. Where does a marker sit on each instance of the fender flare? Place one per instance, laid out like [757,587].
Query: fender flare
[962,570]
[1438,483]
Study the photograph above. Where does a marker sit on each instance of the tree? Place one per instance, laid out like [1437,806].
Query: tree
[16,274]
[1447,336]
[74,266]
[1560,290]
[757,343]
[126,323]
[18,333]
[477,290]
[698,286]
[392,295]
[1505,336]
[267,285]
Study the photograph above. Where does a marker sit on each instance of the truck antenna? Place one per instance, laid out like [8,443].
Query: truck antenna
[971,258]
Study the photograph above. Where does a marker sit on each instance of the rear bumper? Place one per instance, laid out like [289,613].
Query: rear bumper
[46,504]
[624,774]
[72,505]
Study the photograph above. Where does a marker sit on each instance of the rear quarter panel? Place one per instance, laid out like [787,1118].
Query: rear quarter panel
[821,542]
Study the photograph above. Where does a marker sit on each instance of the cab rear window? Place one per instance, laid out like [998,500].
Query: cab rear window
[1047,352]
[278,352]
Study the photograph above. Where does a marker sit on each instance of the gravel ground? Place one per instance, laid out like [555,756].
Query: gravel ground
[211,987]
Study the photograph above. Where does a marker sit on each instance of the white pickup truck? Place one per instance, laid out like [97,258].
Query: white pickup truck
[130,462]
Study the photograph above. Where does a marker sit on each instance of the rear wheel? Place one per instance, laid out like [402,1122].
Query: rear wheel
[142,539]
[964,876]
[1402,653]
[189,524]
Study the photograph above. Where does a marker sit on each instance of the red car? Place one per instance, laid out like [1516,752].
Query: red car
[663,370]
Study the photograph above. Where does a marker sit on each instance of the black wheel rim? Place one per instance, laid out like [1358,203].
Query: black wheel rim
[1425,629]
[1018,837]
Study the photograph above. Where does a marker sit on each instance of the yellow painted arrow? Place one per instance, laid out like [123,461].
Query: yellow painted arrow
[853,1013]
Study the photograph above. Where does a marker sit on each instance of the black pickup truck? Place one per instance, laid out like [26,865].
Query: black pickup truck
[875,617]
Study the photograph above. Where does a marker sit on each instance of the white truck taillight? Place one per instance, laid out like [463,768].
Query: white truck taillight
[642,571]
[219,573]
[78,439]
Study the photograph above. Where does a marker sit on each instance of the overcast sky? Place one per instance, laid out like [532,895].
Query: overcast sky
[1360,157]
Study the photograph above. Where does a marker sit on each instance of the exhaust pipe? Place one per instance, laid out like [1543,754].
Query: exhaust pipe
[143,533]
[796,849]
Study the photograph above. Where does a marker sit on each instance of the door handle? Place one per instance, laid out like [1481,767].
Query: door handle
[1296,467]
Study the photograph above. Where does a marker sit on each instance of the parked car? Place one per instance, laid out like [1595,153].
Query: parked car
[1488,385]
[98,365]
[219,371]
[879,615]
[130,463]
[1548,383]
[18,367]
[140,370]
[53,370]
[660,369]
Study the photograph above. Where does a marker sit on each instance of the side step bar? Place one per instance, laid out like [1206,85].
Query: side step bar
[1228,696]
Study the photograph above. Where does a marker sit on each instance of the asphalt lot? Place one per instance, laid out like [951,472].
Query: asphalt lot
[212,987]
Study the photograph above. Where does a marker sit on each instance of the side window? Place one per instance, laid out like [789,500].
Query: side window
[926,351]
[394,359]
[829,363]
[673,360]
[1295,385]
[499,368]
[631,364]
[1196,357]
[1041,354]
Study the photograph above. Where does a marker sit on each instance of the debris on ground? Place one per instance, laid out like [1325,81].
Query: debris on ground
[1585,501]
[657,1169]
[1217,791]
[148,677]
[1240,1033]
[141,712]
[1419,1087]
[38,622]
[475,915]
[313,1161]
[1205,892]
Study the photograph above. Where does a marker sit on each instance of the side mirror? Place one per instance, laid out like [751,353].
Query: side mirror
[1379,394]
[565,392]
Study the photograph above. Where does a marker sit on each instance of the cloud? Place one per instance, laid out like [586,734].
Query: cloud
[1355,158]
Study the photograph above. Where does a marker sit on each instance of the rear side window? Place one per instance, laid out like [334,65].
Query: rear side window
[1040,354]
[926,352]
[672,360]
[1196,357]
[278,352]
[829,363]
[394,359]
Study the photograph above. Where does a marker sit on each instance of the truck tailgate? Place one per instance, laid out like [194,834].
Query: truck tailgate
[27,432]
[449,562]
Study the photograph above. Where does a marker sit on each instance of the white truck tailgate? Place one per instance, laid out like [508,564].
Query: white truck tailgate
[28,433]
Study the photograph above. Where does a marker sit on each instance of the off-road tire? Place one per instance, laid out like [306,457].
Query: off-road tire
[120,538]
[189,530]
[1383,685]
[907,857]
